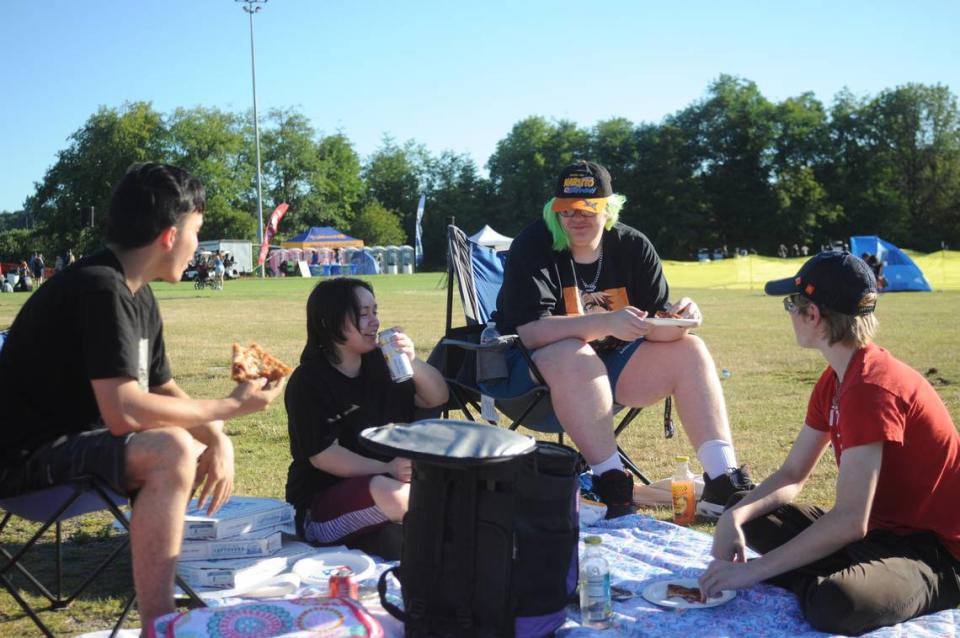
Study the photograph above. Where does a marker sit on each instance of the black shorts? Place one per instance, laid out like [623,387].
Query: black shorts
[94,453]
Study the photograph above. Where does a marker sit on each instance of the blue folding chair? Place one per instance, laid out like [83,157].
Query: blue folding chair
[478,271]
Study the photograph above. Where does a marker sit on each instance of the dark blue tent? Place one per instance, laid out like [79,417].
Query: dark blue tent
[899,270]
[363,262]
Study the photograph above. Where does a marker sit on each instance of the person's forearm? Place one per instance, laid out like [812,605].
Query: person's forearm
[775,491]
[206,433]
[149,411]
[542,332]
[340,461]
[431,389]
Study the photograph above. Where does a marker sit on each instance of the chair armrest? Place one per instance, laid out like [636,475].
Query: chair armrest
[503,342]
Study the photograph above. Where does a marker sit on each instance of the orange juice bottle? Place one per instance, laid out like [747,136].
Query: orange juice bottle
[683,492]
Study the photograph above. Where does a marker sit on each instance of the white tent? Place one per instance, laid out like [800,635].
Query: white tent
[487,236]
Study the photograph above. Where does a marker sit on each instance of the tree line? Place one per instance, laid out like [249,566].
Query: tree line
[731,169]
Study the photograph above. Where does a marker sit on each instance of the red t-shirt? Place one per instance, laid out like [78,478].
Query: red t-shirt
[883,399]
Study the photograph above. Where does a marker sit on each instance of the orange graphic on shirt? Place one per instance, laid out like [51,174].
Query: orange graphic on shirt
[578,302]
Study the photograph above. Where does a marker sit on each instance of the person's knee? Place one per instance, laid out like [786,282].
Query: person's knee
[834,606]
[167,450]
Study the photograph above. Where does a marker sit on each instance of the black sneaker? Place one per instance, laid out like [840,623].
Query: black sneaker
[716,492]
[615,489]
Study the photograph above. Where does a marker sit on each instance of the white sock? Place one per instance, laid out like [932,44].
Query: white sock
[612,463]
[717,457]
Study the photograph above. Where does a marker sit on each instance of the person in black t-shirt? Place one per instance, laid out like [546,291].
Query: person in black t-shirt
[109,406]
[578,288]
[342,492]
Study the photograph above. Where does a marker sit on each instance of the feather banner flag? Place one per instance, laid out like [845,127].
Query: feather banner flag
[419,245]
[271,230]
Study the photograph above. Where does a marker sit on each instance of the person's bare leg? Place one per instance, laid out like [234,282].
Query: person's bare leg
[581,395]
[391,496]
[685,370]
[162,464]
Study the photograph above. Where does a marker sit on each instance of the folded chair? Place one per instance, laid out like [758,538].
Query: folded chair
[478,272]
[50,507]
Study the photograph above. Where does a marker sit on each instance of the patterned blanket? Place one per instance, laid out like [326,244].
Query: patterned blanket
[641,549]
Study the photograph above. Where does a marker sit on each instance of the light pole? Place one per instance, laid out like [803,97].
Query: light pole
[251,7]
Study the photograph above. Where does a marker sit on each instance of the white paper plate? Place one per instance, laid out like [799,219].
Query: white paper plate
[656,593]
[668,321]
[316,570]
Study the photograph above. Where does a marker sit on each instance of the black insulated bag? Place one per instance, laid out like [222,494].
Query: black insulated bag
[490,537]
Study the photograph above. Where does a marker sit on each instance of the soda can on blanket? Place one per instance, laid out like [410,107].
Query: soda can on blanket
[344,585]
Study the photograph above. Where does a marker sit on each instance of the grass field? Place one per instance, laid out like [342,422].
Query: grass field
[748,333]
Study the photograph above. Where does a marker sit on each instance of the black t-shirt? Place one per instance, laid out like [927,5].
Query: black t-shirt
[81,325]
[323,406]
[540,282]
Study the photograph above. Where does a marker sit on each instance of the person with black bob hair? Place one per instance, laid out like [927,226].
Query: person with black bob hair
[342,492]
[109,406]
[889,548]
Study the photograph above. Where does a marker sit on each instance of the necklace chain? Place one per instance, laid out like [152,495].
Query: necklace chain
[596,278]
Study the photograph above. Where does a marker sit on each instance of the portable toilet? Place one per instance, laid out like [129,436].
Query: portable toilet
[391,258]
[406,260]
[379,253]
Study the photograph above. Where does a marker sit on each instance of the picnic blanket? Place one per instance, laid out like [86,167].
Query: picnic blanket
[641,549]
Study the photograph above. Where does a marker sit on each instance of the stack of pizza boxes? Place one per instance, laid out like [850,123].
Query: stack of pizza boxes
[240,545]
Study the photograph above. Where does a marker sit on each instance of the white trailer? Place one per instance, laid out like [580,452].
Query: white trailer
[240,249]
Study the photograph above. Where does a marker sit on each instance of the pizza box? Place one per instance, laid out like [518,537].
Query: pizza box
[239,515]
[241,572]
[262,542]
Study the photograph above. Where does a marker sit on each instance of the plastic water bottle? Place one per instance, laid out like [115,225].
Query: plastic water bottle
[683,493]
[488,408]
[596,610]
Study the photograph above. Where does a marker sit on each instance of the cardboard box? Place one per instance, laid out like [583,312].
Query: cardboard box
[240,515]
[263,542]
[242,572]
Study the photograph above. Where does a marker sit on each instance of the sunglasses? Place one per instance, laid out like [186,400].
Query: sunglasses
[567,214]
[790,303]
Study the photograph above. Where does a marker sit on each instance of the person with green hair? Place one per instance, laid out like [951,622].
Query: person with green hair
[579,289]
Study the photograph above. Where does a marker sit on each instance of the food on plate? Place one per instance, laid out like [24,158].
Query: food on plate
[253,362]
[663,314]
[689,594]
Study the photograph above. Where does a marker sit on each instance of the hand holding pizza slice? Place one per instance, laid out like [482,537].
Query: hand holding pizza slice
[253,362]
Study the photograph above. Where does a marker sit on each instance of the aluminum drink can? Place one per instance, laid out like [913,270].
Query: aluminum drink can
[397,362]
[343,584]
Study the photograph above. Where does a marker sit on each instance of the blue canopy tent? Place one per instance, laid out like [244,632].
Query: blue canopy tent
[899,270]
[322,237]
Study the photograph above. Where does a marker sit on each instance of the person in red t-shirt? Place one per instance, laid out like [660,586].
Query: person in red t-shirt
[889,549]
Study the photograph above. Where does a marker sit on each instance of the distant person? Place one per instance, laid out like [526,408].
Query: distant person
[782,251]
[25,280]
[578,288]
[109,406]
[877,267]
[805,250]
[795,250]
[342,492]
[218,269]
[38,267]
[58,264]
[889,548]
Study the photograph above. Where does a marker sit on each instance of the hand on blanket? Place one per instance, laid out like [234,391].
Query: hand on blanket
[723,574]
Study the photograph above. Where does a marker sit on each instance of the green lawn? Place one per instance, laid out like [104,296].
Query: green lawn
[748,334]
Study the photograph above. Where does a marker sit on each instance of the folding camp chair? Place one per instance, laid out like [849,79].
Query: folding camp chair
[50,507]
[478,271]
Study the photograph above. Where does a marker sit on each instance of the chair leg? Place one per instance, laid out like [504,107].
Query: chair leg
[9,586]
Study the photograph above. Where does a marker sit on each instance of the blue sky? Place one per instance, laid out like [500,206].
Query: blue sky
[451,75]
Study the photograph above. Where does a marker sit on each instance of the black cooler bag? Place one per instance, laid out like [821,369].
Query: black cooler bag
[490,537]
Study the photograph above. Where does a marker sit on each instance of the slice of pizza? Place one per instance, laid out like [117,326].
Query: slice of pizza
[689,594]
[253,362]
